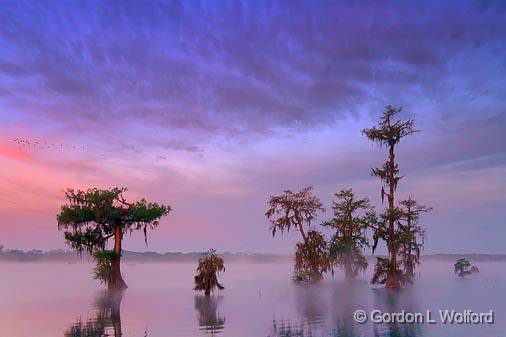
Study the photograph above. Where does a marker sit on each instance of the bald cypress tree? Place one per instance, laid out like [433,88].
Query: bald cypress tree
[296,210]
[411,238]
[388,133]
[352,217]
[92,217]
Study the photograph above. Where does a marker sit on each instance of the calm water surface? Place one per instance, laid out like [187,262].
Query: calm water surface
[60,299]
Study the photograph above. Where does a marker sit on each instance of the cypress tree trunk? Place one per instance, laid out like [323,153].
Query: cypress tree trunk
[116,279]
[348,270]
[393,281]
[409,260]
[207,291]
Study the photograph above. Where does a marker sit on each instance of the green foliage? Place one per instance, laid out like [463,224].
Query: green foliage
[406,239]
[103,265]
[210,265]
[351,219]
[89,238]
[382,229]
[90,217]
[383,268]
[411,237]
[312,258]
[346,255]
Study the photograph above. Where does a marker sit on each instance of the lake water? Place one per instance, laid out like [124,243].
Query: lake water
[60,299]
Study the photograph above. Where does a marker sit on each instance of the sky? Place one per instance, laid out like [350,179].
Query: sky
[212,106]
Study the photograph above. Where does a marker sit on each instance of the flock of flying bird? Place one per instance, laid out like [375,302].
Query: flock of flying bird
[22,143]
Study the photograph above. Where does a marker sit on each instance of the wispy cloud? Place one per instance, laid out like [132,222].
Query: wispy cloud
[211,106]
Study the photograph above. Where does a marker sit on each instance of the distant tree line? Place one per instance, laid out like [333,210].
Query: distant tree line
[60,255]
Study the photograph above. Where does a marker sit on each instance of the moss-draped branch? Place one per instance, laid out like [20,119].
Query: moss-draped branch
[90,217]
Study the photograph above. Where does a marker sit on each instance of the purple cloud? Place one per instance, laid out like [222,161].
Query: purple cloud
[218,104]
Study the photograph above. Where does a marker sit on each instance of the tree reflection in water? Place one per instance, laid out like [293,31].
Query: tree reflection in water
[323,311]
[327,310]
[311,308]
[107,322]
[394,301]
[286,329]
[347,297]
[210,321]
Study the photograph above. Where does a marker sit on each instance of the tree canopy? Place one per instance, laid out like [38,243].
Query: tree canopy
[293,210]
[389,132]
[89,218]
[352,217]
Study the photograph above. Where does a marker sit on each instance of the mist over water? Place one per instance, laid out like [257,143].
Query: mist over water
[260,299]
